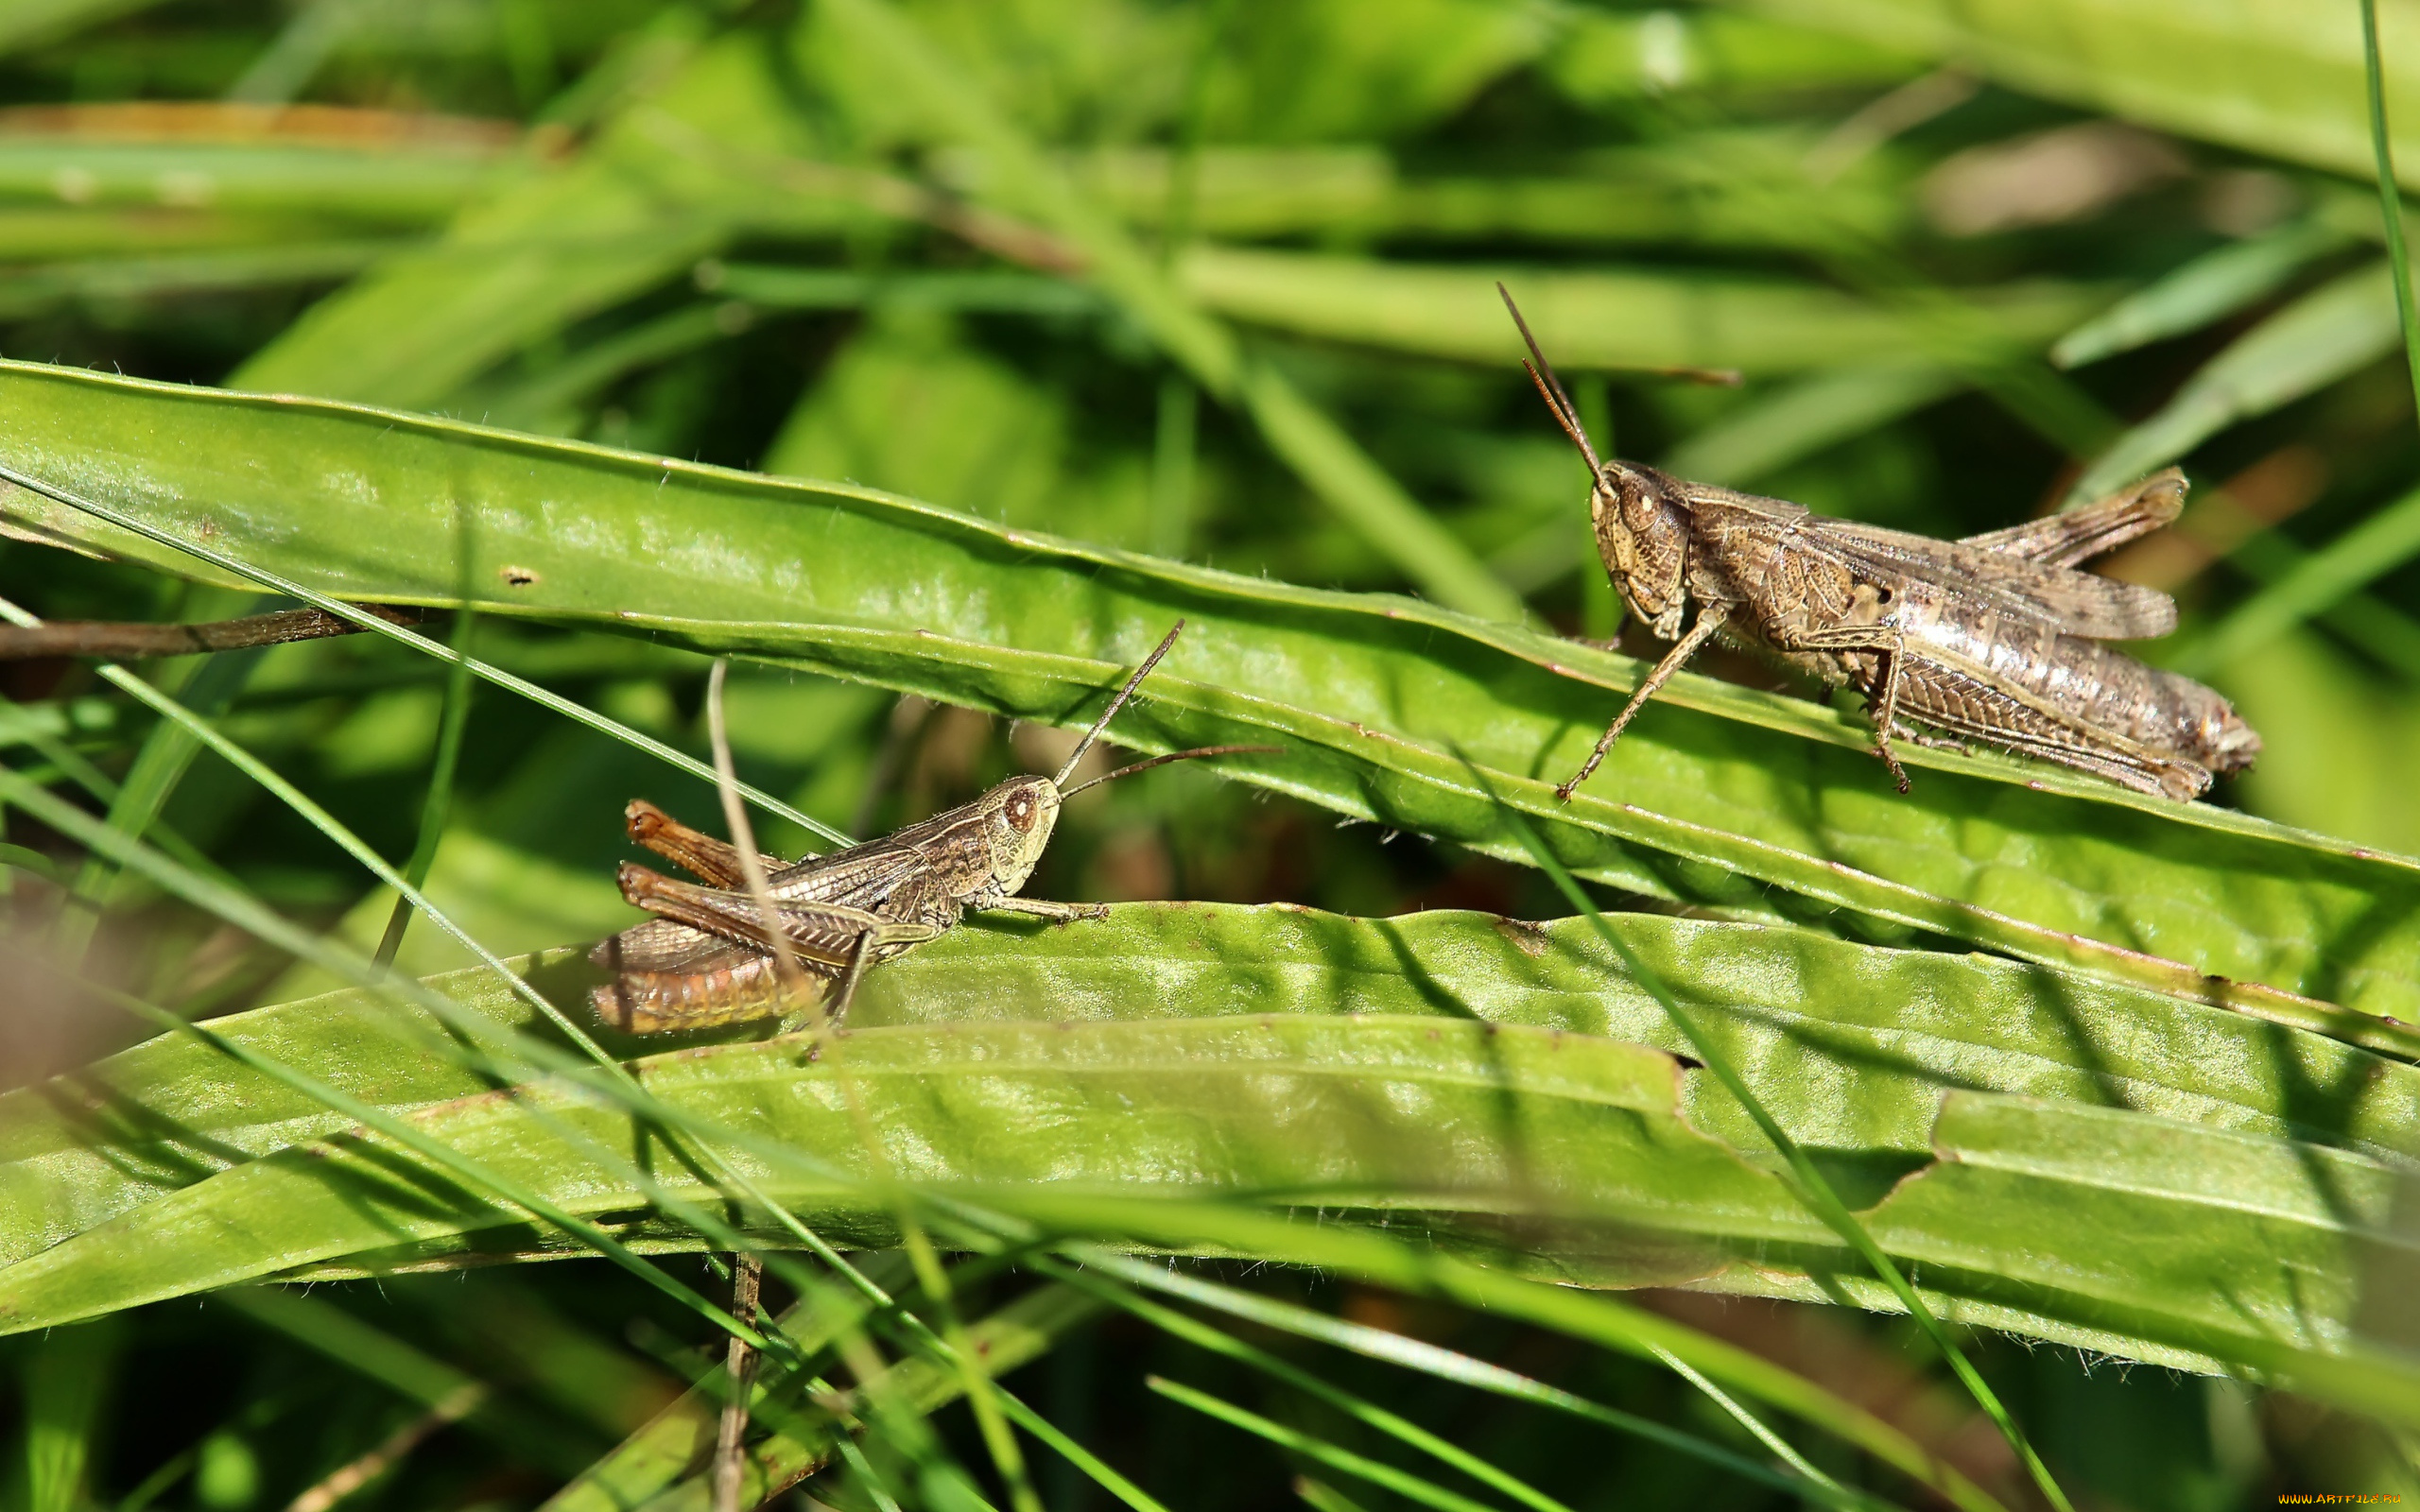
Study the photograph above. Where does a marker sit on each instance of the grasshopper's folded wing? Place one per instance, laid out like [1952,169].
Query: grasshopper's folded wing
[2077,534]
[2072,602]
[661,945]
[824,934]
[859,877]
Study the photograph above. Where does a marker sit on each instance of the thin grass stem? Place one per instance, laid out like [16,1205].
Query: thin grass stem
[2390,197]
[1360,1467]
[1447,1364]
[440,797]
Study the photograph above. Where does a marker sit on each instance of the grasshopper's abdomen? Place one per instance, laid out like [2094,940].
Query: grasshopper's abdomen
[2092,687]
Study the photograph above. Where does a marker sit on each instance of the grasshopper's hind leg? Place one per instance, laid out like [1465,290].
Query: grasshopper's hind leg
[1885,712]
[1044,908]
[1889,649]
[850,977]
[711,861]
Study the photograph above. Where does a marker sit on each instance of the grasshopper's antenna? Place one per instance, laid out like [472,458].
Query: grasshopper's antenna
[1175,756]
[1551,388]
[1119,702]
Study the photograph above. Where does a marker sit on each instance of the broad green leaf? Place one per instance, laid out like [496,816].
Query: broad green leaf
[2382,543]
[168,1112]
[2241,1247]
[1324,1110]
[1715,791]
[2340,327]
[1599,319]
[2178,1244]
[2278,78]
[1850,1046]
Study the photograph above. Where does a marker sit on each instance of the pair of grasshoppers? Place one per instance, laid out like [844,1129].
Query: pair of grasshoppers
[1994,639]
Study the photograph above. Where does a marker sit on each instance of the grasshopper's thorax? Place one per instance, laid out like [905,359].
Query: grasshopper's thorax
[1017,819]
[1642,524]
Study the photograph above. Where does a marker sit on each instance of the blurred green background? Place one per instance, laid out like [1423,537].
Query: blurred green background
[1938,266]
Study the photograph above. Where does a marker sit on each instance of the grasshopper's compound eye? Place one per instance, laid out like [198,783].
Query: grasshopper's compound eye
[1019,810]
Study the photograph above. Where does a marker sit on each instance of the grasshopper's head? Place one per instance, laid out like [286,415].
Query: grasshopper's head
[1642,521]
[1642,517]
[1018,816]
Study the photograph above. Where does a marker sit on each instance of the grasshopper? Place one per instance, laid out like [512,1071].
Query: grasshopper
[1991,640]
[709,956]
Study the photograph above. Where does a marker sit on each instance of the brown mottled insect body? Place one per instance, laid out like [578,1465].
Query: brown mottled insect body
[708,957]
[1994,639]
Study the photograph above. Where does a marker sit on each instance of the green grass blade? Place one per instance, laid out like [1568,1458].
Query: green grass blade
[1805,418]
[1617,321]
[2207,289]
[311,186]
[1446,1364]
[1361,1410]
[2383,541]
[1410,1488]
[46,289]
[662,1451]
[546,245]
[1369,501]
[64,1386]
[1760,1431]
[1314,445]
[1011,1336]
[440,797]
[2321,337]
[1321,1497]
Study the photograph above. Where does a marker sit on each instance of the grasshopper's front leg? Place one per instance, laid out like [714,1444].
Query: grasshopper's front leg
[1710,619]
